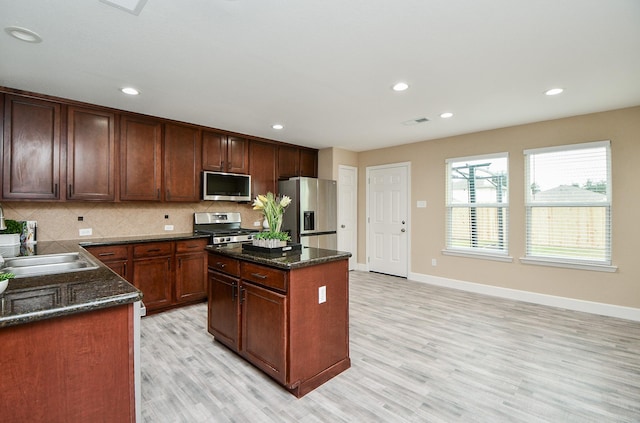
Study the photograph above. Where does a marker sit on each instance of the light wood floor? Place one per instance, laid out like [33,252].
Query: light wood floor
[419,354]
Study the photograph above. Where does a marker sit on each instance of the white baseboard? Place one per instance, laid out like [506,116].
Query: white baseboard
[592,307]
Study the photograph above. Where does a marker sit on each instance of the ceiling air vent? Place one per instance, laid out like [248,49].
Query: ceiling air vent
[132,6]
[415,121]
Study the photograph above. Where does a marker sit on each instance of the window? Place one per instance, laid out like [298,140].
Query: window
[478,205]
[568,203]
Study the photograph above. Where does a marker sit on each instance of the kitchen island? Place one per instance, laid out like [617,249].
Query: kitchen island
[288,315]
[68,344]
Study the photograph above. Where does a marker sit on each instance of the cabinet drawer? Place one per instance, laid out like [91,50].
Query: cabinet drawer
[152,249]
[111,252]
[224,264]
[265,276]
[191,246]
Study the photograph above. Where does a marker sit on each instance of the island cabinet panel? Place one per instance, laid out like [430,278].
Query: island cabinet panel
[223,312]
[140,158]
[182,163]
[91,155]
[32,149]
[224,153]
[76,368]
[294,323]
[264,330]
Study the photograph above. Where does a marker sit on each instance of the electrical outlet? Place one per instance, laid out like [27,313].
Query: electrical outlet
[86,232]
[257,223]
[434,262]
[168,227]
[421,204]
[322,294]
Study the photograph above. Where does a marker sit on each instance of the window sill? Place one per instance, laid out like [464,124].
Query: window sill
[476,255]
[569,265]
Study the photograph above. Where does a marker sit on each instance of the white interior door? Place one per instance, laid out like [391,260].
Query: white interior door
[388,220]
[348,212]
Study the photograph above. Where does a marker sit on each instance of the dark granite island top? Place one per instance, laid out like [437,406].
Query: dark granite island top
[30,299]
[290,260]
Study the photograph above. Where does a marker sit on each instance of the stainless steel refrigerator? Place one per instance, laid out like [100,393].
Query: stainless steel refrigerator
[312,216]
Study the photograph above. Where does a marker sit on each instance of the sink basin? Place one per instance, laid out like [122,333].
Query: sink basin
[48,264]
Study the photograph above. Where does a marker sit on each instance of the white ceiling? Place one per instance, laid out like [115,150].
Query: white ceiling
[324,68]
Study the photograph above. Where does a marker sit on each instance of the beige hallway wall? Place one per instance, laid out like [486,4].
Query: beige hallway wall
[427,159]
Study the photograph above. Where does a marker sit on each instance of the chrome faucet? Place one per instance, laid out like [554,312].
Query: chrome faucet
[2,225]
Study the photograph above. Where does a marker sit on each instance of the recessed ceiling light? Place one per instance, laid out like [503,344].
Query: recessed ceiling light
[130,91]
[277,126]
[554,91]
[446,115]
[400,86]
[23,34]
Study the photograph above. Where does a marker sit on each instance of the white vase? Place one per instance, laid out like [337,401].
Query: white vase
[3,285]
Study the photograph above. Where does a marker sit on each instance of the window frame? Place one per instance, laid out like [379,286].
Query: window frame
[501,254]
[584,263]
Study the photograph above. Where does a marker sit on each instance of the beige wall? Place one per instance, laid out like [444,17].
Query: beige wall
[427,159]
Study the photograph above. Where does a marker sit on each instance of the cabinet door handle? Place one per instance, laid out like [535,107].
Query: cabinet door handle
[259,276]
[70,190]
[234,292]
[55,190]
[153,250]
[158,193]
[107,254]
[220,265]
[242,292]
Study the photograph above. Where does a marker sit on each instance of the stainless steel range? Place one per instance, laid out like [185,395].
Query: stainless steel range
[224,227]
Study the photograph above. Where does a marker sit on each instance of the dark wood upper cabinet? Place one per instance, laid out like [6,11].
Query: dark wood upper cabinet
[308,163]
[32,149]
[91,154]
[288,162]
[140,158]
[182,163]
[224,153]
[262,167]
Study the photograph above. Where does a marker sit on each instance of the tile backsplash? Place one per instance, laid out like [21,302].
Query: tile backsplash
[59,221]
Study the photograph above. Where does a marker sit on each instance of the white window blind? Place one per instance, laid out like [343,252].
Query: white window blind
[478,204]
[568,203]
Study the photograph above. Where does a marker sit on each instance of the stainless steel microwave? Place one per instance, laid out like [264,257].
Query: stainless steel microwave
[219,186]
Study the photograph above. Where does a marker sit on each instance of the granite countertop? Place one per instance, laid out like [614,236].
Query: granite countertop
[140,239]
[42,297]
[290,260]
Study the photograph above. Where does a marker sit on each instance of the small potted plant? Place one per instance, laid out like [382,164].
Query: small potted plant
[4,280]
[273,209]
[10,237]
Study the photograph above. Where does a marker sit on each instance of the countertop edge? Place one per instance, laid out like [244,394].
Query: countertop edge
[34,316]
[284,262]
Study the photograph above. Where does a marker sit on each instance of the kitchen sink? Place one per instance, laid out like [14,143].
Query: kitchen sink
[47,264]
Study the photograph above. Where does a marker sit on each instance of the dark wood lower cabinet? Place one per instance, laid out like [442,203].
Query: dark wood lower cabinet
[223,310]
[264,340]
[292,324]
[152,276]
[169,273]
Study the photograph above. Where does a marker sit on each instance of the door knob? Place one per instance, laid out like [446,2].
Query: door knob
[342,226]
[403,222]
[403,230]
